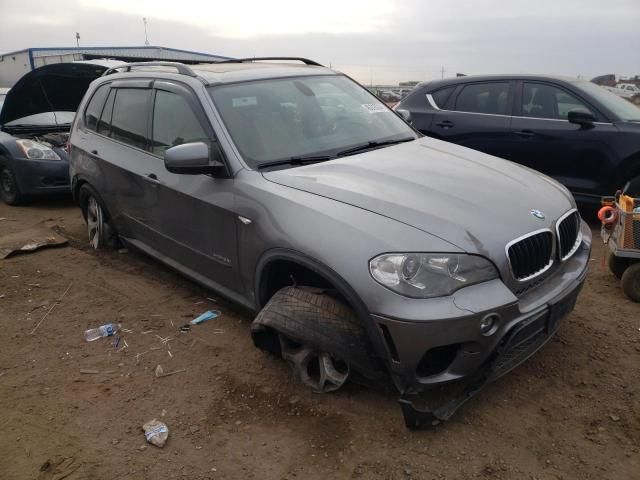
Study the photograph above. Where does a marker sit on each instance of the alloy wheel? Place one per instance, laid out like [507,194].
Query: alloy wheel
[6,183]
[95,223]
[318,370]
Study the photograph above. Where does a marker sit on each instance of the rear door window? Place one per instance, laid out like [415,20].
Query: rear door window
[92,113]
[174,123]
[490,98]
[129,119]
[540,100]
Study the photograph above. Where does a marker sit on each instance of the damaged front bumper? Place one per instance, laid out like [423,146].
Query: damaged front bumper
[453,359]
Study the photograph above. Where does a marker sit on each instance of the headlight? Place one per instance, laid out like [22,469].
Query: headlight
[36,151]
[426,275]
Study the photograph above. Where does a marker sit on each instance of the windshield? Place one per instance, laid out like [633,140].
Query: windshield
[279,119]
[622,108]
[2,95]
[44,119]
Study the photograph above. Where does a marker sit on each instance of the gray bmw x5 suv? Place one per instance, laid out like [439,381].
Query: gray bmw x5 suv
[367,251]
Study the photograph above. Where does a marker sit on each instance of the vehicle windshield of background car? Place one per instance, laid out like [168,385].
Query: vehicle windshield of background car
[279,119]
[623,109]
[43,119]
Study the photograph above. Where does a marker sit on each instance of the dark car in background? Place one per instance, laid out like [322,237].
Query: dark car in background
[35,119]
[572,130]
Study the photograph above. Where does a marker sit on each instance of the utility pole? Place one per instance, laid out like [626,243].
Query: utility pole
[78,39]
[442,72]
[146,37]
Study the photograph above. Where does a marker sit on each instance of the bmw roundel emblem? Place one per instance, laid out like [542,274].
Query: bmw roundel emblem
[537,213]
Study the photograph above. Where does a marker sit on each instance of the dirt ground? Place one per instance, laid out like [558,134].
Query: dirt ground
[572,411]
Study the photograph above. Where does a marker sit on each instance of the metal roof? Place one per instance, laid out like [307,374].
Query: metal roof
[144,52]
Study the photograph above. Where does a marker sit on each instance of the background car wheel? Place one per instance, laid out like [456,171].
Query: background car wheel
[631,282]
[618,265]
[98,228]
[9,190]
[320,337]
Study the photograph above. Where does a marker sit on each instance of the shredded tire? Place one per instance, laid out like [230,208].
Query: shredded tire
[313,318]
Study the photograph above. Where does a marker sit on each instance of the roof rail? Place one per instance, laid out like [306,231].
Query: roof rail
[180,67]
[306,61]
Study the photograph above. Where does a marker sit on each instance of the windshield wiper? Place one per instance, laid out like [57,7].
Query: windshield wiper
[301,160]
[371,145]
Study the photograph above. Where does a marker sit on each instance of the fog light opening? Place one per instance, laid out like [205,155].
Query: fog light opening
[489,324]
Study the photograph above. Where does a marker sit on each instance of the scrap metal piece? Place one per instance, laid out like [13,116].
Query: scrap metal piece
[29,240]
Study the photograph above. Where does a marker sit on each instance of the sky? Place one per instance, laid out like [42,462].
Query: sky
[375,41]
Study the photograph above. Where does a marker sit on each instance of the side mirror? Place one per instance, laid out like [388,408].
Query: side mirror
[194,159]
[404,114]
[581,117]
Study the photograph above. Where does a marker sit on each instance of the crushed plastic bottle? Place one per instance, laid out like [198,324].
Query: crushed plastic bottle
[104,331]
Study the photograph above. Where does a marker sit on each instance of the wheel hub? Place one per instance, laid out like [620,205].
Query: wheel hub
[7,182]
[318,370]
[94,222]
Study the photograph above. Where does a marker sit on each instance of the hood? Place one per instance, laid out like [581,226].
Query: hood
[475,201]
[53,88]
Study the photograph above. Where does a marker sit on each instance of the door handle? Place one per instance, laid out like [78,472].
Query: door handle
[94,152]
[152,178]
[445,124]
[525,133]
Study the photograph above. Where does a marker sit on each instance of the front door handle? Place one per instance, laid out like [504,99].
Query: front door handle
[445,124]
[525,133]
[152,178]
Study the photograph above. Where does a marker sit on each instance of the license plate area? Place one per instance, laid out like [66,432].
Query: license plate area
[561,309]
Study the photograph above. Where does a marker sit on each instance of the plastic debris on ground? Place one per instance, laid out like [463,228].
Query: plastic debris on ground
[156,432]
[208,315]
[107,330]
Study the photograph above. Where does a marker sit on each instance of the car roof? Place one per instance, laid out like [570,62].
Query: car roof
[223,72]
[487,78]
[239,72]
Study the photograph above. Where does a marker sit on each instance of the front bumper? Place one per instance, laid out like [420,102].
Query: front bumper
[437,351]
[40,177]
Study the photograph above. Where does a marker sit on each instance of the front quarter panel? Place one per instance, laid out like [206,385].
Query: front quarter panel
[340,236]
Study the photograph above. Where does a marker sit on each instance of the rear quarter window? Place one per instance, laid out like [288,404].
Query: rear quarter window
[94,108]
[441,96]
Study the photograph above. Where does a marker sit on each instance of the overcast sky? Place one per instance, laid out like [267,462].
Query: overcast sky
[379,41]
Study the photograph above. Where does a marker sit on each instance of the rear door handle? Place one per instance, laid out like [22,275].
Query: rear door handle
[152,178]
[445,124]
[525,133]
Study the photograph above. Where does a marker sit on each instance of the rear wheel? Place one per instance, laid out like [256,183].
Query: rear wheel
[98,228]
[631,282]
[9,190]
